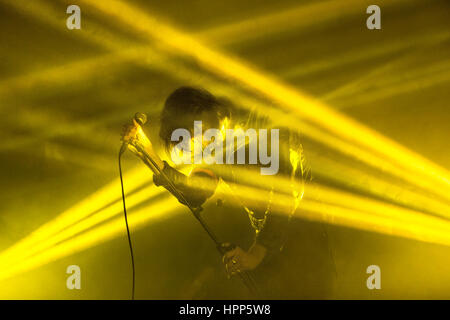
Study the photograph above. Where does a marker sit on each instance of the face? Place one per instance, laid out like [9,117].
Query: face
[209,120]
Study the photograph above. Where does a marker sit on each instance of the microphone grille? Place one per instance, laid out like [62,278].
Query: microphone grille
[140,118]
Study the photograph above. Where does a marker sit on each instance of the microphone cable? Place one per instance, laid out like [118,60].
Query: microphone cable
[141,118]
[126,223]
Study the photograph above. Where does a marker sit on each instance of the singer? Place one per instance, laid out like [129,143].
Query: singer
[289,257]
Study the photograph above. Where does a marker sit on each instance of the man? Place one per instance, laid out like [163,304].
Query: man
[269,201]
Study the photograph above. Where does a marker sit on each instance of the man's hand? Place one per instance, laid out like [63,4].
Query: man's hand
[137,141]
[130,132]
[237,260]
[134,135]
[130,135]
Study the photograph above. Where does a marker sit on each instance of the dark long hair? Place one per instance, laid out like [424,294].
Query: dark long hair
[185,105]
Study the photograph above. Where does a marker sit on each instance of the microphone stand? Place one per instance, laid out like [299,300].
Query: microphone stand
[246,278]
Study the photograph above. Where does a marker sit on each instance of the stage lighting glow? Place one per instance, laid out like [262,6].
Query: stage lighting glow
[84,226]
[97,202]
[159,210]
[399,170]
[319,204]
[290,100]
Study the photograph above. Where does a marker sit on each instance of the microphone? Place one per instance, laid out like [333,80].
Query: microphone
[139,119]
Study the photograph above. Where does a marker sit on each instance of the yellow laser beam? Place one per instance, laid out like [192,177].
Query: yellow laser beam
[342,208]
[96,201]
[325,204]
[293,18]
[161,210]
[363,54]
[393,191]
[263,82]
[115,209]
[354,152]
[291,100]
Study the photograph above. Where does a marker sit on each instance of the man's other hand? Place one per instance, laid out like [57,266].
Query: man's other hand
[237,260]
